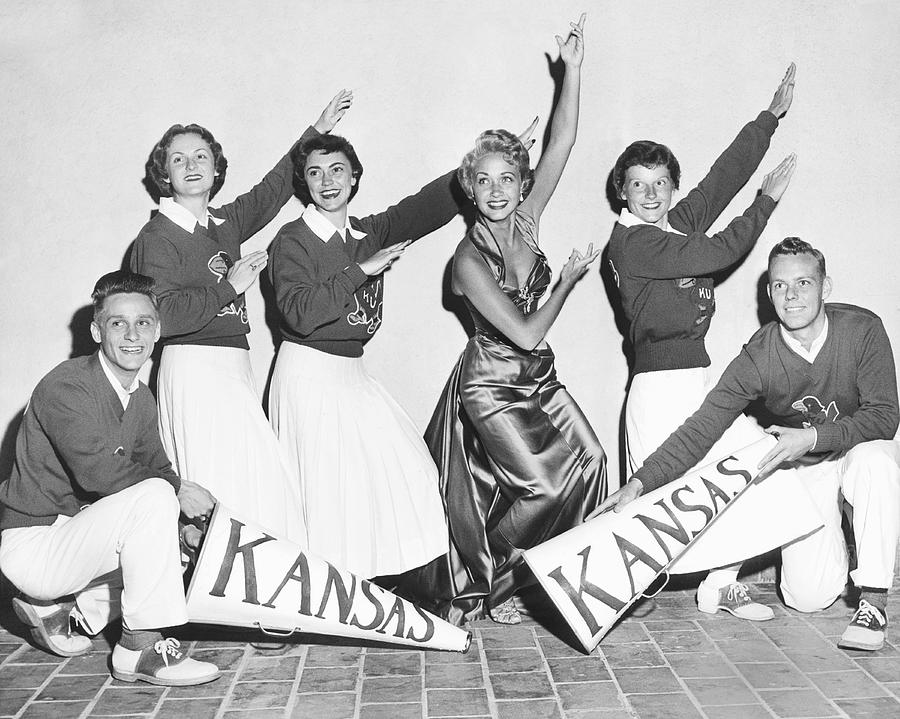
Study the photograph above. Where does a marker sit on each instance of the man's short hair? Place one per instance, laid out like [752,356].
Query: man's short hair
[649,154]
[796,246]
[122,282]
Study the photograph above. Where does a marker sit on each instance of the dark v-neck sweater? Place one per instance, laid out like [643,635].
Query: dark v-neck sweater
[664,277]
[849,393]
[77,444]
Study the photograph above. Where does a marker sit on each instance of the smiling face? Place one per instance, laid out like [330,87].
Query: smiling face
[497,187]
[126,329]
[329,178]
[648,192]
[190,166]
[798,292]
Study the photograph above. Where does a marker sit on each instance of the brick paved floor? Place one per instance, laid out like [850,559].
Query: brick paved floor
[664,661]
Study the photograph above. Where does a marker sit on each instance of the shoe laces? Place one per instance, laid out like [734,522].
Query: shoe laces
[867,614]
[166,648]
[738,592]
[76,619]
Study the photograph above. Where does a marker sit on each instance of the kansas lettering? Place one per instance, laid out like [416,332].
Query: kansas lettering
[639,551]
[290,584]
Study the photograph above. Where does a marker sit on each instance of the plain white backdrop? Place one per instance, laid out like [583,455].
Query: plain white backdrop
[89,87]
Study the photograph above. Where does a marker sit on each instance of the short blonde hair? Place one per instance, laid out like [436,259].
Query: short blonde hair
[500,142]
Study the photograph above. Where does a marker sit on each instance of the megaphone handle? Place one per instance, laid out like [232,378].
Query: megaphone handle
[650,596]
[276,632]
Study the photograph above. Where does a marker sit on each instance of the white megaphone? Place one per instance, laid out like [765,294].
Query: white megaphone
[595,571]
[248,577]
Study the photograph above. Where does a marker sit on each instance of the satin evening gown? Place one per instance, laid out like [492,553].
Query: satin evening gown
[518,460]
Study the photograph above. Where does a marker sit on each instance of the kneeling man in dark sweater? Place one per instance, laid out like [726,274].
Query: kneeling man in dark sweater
[826,375]
[89,515]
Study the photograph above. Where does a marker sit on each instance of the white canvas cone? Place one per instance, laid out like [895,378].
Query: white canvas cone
[248,577]
[595,571]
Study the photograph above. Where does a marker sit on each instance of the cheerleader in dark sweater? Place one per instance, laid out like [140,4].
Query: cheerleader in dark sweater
[211,420]
[368,484]
[662,262]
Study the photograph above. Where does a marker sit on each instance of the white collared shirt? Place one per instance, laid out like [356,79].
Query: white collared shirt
[182,216]
[123,393]
[808,354]
[627,219]
[323,228]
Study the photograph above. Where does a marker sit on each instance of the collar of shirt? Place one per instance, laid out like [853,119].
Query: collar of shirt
[123,393]
[182,216]
[626,219]
[795,346]
[323,228]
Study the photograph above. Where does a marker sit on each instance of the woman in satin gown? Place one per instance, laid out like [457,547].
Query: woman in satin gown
[519,462]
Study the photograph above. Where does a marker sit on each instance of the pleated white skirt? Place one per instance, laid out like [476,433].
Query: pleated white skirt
[215,433]
[368,483]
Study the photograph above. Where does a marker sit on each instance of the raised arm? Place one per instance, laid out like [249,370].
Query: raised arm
[418,215]
[658,254]
[564,125]
[473,278]
[255,209]
[734,167]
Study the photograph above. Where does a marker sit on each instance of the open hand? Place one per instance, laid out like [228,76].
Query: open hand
[784,95]
[777,181]
[619,499]
[334,111]
[384,258]
[245,271]
[571,50]
[577,264]
[792,444]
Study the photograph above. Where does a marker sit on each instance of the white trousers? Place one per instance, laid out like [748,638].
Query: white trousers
[814,569]
[117,556]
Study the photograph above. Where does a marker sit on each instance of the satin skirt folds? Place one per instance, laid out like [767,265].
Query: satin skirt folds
[519,464]
[216,434]
[367,480]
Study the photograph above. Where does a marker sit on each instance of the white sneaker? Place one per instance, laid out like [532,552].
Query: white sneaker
[734,598]
[164,663]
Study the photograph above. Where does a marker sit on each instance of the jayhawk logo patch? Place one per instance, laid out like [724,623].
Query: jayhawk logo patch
[219,264]
[814,412]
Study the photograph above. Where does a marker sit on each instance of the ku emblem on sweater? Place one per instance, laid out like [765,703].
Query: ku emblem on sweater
[814,410]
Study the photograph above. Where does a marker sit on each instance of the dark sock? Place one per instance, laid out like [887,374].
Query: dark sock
[138,639]
[874,596]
